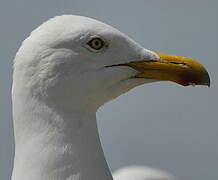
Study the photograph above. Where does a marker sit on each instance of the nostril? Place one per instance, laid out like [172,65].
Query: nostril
[179,63]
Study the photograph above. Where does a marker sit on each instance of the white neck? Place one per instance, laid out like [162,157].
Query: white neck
[54,145]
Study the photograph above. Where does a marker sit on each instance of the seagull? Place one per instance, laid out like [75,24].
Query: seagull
[63,72]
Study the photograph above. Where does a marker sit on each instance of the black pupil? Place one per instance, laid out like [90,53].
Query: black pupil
[97,42]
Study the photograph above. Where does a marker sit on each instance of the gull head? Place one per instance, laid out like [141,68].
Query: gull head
[75,59]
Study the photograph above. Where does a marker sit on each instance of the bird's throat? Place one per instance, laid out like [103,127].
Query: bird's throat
[57,146]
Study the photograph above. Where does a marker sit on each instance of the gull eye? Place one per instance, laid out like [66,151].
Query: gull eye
[96,43]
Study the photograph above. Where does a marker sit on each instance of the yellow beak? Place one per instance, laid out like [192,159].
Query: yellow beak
[182,70]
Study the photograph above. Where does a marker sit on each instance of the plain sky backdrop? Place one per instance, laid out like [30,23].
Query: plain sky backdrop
[162,124]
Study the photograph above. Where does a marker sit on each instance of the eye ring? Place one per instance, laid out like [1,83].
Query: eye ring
[96,43]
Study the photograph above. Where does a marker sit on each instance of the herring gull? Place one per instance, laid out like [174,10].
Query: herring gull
[63,72]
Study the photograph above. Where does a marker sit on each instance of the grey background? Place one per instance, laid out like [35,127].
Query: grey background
[162,124]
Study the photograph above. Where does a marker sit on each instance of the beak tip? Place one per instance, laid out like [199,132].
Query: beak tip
[206,79]
[208,82]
